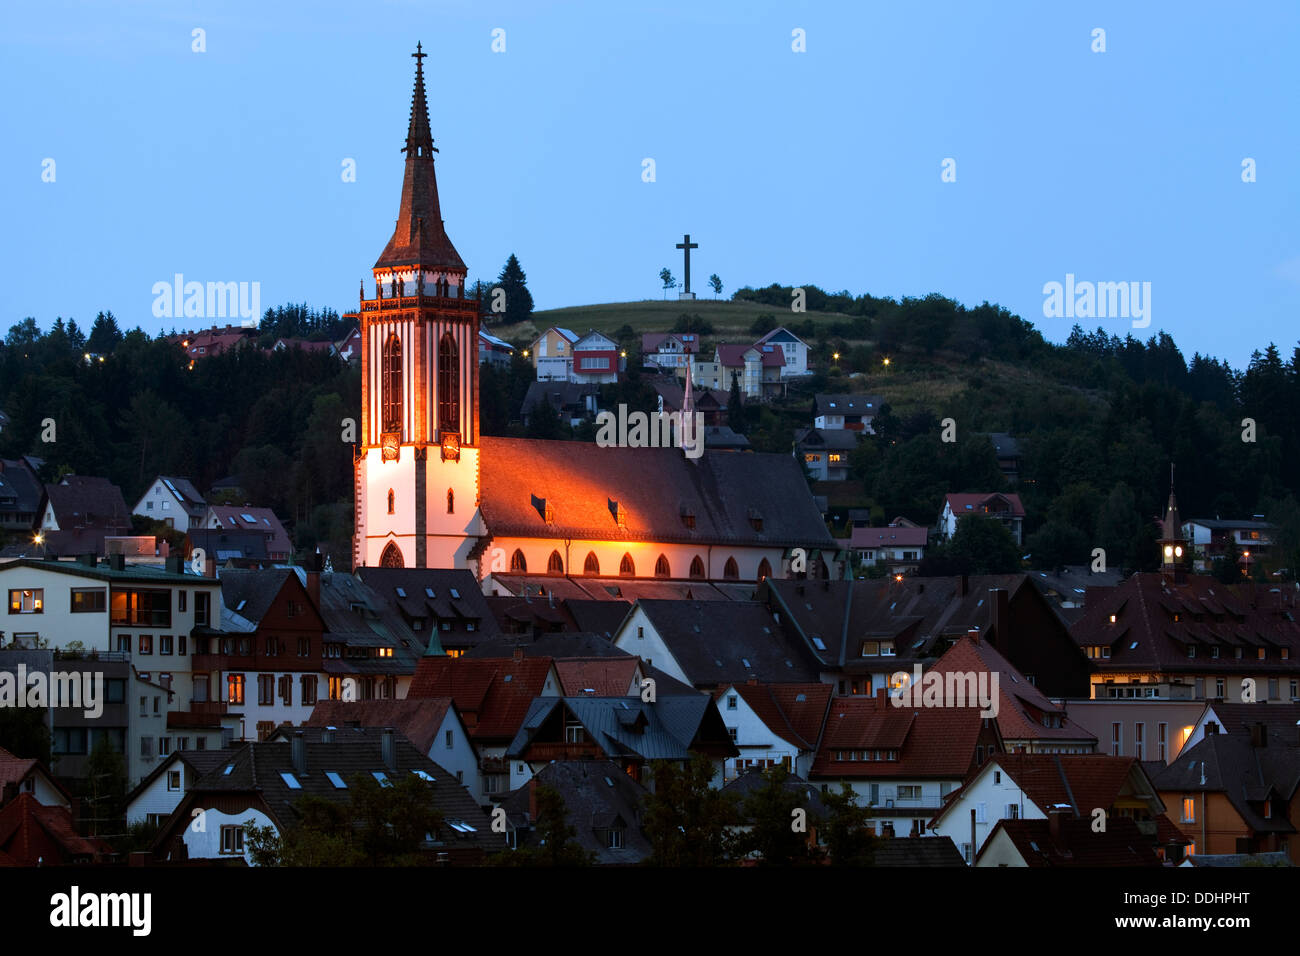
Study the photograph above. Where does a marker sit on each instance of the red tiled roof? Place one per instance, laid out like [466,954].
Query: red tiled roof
[733,356]
[596,676]
[24,819]
[493,695]
[1076,844]
[14,769]
[1094,780]
[932,741]
[889,537]
[788,716]
[416,719]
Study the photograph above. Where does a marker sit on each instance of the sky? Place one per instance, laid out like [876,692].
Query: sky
[822,166]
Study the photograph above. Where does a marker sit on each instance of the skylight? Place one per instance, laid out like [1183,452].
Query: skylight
[229,767]
[800,698]
[455,594]
[424,776]
[290,781]
[382,778]
[745,661]
[335,779]
[428,592]
[819,643]
[247,517]
[509,677]
[242,602]
[401,592]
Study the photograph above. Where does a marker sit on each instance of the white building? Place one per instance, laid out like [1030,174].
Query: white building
[173,501]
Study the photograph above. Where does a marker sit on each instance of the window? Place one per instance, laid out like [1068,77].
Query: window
[449,739]
[448,385]
[730,571]
[1139,741]
[182,598]
[124,643]
[304,647]
[232,840]
[165,644]
[517,563]
[732,732]
[662,569]
[235,688]
[573,732]
[273,644]
[164,746]
[626,567]
[146,747]
[1189,809]
[451,502]
[1162,733]
[592,564]
[909,793]
[87,600]
[202,600]
[146,643]
[731,702]
[308,687]
[29,601]
[392,499]
[615,840]
[1218,687]
[148,606]
[555,564]
[764,570]
[266,689]
[391,385]
[1116,739]
[697,568]
[1013,811]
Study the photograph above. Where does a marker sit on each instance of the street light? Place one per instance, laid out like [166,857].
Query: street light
[835,356]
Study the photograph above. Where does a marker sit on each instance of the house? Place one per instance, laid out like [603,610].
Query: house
[917,851]
[604,806]
[629,731]
[774,724]
[1238,859]
[1237,792]
[1209,539]
[249,518]
[901,762]
[806,797]
[845,412]
[1006,508]
[304,345]
[26,775]
[860,633]
[37,834]
[1031,786]
[596,359]
[222,547]
[262,783]
[348,348]
[1191,638]
[713,644]
[21,495]
[493,697]
[446,602]
[611,675]
[899,549]
[156,797]
[1009,456]
[173,501]
[722,438]
[794,349]
[494,351]
[272,636]
[206,343]
[1222,717]
[709,402]
[552,354]
[574,402]
[669,350]
[758,369]
[826,454]
[432,725]
[1149,729]
[1066,841]
[79,511]
[1067,587]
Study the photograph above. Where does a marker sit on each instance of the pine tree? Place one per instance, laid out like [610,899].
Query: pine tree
[736,407]
[519,301]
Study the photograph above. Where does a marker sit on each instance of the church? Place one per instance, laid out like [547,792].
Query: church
[430,492]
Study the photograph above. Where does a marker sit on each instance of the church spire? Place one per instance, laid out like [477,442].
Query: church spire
[419,239]
[1171,537]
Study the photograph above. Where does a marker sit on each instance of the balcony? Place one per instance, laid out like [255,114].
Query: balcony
[443,302]
[537,753]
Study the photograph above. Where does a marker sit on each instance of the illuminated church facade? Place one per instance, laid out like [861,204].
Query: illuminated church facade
[430,492]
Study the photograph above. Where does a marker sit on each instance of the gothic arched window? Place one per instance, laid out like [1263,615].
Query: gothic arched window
[764,570]
[592,564]
[451,502]
[661,568]
[392,557]
[517,562]
[697,568]
[626,567]
[391,501]
[448,385]
[391,385]
[555,564]
[730,571]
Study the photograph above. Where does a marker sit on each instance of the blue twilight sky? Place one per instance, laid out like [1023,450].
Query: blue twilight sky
[816,167]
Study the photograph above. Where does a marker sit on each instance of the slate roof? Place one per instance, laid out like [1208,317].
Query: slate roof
[598,796]
[931,741]
[809,796]
[917,851]
[25,818]
[889,538]
[261,767]
[199,761]
[727,643]
[224,545]
[1216,524]
[825,403]
[833,439]
[84,501]
[1004,446]
[1146,636]
[1245,774]
[493,696]
[794,712]
[1120,845]
[254,589]
[466,605]
[232,518]
[560,645]
[733,356]
[355,613]
[559,395]
[579,480]
[627,726]
[18,482]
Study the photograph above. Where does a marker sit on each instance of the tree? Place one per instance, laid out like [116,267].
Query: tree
[716,283]
[1227,566]
[1057,544]
[849,842]
[986,544]
[736,407]
[765,323]
[769,813]
[555,843]
[666,277]
[544,421]
[104,788]
[686,818]
[105,336]
[519,301]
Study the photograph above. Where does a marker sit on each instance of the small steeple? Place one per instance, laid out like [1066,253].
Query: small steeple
[1172,544]
[419,140]
[1172,525]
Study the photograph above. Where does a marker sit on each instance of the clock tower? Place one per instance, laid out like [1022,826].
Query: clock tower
[416,467]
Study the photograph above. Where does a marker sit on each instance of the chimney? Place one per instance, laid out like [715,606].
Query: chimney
[965,585]
[327,735]
[175,564]
[518,654]
[313,579]
[388,748]
[298,751]
[1259,734]
[1054,817]
[89,559]
[999,614]
[117,561]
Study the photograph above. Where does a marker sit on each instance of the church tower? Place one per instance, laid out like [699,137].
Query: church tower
[1172,542]
[416,468]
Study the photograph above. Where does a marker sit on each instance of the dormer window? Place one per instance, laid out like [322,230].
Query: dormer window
[619,513]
